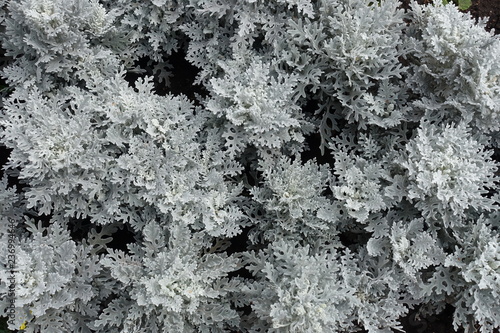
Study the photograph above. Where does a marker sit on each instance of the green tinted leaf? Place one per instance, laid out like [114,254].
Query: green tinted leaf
[464,4]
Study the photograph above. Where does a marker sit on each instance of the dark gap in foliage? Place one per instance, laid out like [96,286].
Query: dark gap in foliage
[4,158]
[249,162]
[146,67]
[351,238]
[175,77]
[496,157]
[79,228]
[238,245]
[132,76]
[258,42]
[121,238]
[313,142]
[239,242]
[435,323]
[183,77]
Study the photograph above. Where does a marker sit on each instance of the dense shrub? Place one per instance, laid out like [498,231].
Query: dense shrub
[248,166]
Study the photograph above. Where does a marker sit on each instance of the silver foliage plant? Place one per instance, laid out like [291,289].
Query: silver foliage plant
[334,170]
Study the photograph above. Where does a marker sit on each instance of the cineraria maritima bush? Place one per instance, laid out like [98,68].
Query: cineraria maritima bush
[329,168]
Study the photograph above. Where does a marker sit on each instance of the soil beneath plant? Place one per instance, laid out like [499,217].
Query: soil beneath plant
[489,9]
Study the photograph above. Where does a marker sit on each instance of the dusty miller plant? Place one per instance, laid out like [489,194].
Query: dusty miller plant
[335,168]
